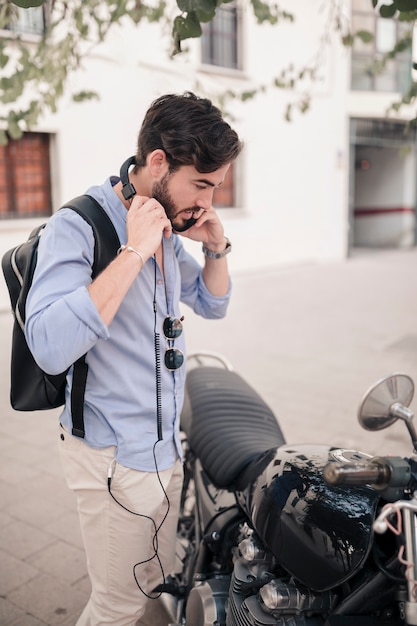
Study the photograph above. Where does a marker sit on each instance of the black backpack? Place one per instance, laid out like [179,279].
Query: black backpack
[31,389]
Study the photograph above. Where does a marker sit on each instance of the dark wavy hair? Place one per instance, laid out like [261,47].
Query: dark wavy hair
[190,130]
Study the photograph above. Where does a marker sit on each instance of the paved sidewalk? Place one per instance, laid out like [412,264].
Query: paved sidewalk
[311,340]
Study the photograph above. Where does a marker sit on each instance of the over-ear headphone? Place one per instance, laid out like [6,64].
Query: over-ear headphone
[128,190]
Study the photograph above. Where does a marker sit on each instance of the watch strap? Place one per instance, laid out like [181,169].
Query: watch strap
[218,255]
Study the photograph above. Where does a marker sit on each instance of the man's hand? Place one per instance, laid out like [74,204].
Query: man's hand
[209,230]
[145,223]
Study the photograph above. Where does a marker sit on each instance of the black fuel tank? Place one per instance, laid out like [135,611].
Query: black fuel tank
[320,534]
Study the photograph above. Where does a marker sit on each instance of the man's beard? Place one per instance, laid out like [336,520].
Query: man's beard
[160,192]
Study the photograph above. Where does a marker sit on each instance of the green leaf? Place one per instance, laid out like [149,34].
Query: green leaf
[205,17]
[4,58]
[32,114]
[280,84]
[3,137]
[190,6]
[387,10]
[365,36]
[404,5]
[348,40]
[176,39]
[11,87]
[304,104]
[14,129]
[26,4]
[81,96]
[263,13]
[288,112]
[248,95]
[187,27]
[408,16]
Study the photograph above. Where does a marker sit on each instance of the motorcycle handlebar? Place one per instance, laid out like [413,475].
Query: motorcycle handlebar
[379,472]
[372,473]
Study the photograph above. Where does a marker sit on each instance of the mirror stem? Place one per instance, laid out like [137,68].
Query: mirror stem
[404,413]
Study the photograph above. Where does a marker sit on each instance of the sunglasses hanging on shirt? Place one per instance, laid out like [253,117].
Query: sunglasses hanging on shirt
[172,329]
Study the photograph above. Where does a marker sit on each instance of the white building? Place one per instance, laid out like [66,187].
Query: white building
[306,190]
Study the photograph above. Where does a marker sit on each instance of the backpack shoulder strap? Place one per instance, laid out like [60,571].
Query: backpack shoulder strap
[106,240]
[106,244]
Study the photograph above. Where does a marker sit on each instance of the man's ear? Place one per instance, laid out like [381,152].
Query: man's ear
[157,163]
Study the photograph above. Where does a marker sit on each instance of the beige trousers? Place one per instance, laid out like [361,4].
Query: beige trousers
[128,551]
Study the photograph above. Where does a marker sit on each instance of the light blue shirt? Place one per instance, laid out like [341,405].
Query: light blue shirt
[62,324]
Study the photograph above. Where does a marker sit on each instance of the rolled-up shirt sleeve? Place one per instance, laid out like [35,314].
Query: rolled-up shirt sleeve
[194,292]
[59,311]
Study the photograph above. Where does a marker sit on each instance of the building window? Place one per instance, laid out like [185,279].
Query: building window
[29,21]
[219,42]
[25,182]
[224,196]
[396,74]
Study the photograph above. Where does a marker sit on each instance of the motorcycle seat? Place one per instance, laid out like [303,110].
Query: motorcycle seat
[227,423]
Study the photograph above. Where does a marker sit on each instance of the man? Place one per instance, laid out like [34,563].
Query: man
[127,472]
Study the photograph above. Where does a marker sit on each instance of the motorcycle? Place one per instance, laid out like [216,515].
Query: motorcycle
[277,534]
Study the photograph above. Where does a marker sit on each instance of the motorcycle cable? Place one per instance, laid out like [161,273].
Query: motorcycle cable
[156,529]
[389,567]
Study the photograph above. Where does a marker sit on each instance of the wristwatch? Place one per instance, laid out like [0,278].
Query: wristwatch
[218,255]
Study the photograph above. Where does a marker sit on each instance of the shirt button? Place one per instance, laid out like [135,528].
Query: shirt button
[160,281]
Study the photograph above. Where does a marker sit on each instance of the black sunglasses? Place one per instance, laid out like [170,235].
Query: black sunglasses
[172,328]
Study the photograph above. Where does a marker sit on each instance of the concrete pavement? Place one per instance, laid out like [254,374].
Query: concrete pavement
[311,339]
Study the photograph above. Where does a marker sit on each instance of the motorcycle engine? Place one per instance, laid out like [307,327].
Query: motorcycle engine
[206,604]
[256,598]
[262,594]
[255,594]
